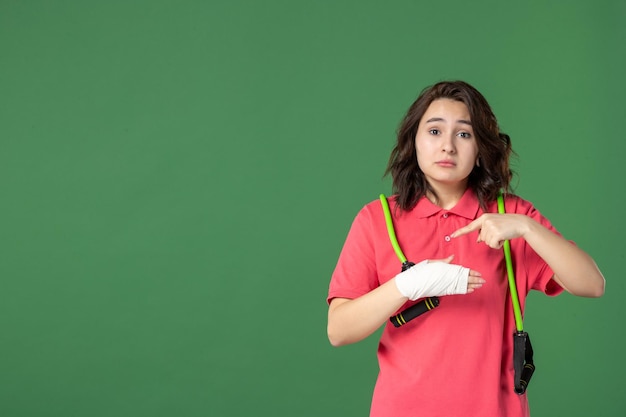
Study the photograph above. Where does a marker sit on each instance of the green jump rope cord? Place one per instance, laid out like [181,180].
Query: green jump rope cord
[392,233]
[509,268]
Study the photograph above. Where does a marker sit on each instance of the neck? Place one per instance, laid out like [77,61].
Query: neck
[447,197]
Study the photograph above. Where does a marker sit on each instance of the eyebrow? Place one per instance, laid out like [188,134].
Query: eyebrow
[440,119]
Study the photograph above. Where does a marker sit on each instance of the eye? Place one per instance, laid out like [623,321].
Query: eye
[433,131]
[465,135]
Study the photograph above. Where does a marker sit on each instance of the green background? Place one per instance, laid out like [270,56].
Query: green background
[178,178]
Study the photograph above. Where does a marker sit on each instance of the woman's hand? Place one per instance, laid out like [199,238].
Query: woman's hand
[494,229]
[574,269]
[474,280]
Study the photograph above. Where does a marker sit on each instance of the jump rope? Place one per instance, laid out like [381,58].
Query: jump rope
[523,364]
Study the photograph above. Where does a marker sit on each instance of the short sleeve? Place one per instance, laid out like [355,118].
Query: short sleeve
[538,273]
[355,273]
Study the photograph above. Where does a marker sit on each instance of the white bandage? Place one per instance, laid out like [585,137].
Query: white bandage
[429,279]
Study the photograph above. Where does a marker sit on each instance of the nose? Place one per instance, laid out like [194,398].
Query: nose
[448,145]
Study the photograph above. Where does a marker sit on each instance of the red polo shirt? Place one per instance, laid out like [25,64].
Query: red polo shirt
[457,359]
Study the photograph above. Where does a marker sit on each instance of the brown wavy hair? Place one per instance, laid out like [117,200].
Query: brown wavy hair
[494,147]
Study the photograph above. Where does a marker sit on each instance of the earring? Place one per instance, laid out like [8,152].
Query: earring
[478,162]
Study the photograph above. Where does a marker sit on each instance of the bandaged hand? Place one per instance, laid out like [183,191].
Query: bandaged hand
[429,279]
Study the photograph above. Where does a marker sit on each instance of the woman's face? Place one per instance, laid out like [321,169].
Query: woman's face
[446,146]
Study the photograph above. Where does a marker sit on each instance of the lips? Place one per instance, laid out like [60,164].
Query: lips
[446,163]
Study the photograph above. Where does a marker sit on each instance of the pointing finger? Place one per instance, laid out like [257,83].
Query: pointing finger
[475,225]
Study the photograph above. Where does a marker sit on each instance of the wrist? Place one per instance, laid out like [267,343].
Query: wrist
[529,227]
[401,286]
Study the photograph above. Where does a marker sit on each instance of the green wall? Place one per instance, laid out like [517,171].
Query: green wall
[178,178]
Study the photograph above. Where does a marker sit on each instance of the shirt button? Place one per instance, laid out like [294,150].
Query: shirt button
[447,238]
[445,215]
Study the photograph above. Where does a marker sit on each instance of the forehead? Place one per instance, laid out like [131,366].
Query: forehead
[448,110]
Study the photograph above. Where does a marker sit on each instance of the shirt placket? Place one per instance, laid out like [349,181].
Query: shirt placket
[445,228]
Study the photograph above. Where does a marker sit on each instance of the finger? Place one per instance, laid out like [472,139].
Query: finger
[475,225]
[489,240]
[473,273]
[474,281]
[494,244]
[472,287]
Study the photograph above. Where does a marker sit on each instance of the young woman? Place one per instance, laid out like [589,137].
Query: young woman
[448,167]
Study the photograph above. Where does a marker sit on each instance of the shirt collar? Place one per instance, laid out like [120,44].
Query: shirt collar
[466,207]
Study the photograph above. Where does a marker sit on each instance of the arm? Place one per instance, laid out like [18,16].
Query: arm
[352,320]
[574,269]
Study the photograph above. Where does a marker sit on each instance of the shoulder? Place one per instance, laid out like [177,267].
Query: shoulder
[372,215]
[515,204]
[376,208]
[368,216]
